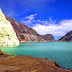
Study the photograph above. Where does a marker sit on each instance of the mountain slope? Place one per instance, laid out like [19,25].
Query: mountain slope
[24,33]
[48,37]
[20,28]
[27,34]
[67,37]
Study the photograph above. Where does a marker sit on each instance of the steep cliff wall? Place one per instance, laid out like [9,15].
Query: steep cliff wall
[8,36]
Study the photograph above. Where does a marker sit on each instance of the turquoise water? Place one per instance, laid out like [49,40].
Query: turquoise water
[58,51]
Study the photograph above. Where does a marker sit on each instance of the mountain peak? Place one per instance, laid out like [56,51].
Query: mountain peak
[2,16]
[67,37]
[1,12]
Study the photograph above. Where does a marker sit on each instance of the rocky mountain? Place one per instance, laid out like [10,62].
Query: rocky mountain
[48,37]
[8,36]
[67,37]
[23,32]
[27,34]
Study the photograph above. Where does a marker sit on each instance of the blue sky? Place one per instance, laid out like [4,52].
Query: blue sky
[45,16]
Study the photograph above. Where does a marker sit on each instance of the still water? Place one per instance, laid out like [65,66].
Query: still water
[61,52]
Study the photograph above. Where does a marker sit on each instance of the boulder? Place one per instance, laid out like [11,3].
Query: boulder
[1,52]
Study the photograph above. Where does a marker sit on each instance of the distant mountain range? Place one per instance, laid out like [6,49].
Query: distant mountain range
[27,34]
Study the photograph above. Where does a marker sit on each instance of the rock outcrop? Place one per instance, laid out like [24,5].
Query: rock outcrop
[1,52]
[28,64]
[25,33]
[8,36]
[67,37]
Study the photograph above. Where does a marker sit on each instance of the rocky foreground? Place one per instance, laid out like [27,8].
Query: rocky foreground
[27,64]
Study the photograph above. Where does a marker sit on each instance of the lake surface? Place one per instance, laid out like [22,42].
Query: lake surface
[61,52]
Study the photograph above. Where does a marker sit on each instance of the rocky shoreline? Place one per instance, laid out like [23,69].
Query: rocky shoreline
[18,63]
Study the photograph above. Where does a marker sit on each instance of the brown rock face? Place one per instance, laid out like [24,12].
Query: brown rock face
[48,37]
[20,28]
[28,64]
[27,34]
[67,37]
[24,33]
[1,52]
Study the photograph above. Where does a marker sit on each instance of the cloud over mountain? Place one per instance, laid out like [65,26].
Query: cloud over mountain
[48,27]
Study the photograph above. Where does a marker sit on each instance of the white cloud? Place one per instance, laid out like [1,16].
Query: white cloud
[29,19]
[57,30]
[49,27]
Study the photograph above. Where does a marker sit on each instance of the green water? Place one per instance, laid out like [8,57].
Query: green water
[58,51]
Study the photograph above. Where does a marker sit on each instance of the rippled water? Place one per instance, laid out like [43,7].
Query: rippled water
[58,51]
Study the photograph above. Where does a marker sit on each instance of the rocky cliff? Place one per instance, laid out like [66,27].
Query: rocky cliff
[67,37]
[8,36]
[27,34]
[23,32]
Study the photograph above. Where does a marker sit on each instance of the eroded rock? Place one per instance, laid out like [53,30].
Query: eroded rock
[1,52]
[28,64]
[8,36]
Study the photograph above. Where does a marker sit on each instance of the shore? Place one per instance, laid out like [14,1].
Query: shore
[18,63]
